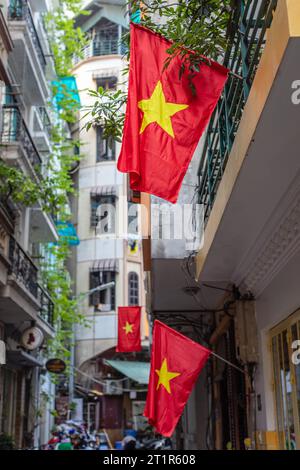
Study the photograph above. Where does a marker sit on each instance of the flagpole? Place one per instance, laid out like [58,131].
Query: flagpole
[228,362]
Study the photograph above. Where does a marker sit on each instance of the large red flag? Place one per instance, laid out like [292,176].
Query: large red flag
[129,334]
[176,362]
[164,119]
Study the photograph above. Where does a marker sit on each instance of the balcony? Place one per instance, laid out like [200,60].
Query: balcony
[19,11]
[249,173]
[27,60]
[25,272]
[101,47]
[41,128]
[22,268]
[22,298]
[47,306]
[246,44]
[16,136]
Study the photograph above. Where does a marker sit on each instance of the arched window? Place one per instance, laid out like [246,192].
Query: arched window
[133,289]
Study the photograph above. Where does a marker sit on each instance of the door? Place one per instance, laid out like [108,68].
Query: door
[286,380]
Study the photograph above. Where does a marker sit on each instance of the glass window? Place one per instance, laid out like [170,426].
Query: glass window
[106,38]
[132,218]
[107,83]
[106,149]
[102,300]
[133,289]
[103,213]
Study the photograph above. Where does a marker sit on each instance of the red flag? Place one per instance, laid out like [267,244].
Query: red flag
[129,335]
[164,119]
[176,362]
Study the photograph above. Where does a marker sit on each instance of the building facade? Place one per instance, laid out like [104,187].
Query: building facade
[245,275]
[108,225]
[250,190]
[26,69]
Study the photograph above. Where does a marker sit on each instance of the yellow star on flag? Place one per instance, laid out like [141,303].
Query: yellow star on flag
[164,376]
[128,328]
[156,109]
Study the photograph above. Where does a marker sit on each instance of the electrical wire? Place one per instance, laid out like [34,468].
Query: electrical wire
[103,383]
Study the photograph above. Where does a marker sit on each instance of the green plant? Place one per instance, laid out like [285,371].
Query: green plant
[55,185]
[6,442]
[196,28]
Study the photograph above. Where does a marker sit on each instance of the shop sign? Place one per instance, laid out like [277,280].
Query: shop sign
[32,338]
[56,366]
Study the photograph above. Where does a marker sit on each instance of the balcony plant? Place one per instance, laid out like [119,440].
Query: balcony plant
[6,442]
[200,26]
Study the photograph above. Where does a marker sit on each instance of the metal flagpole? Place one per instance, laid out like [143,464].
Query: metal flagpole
[228,362]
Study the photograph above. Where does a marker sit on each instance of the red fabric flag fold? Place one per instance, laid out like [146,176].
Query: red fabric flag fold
[129,334]
[176,362]
[164,118]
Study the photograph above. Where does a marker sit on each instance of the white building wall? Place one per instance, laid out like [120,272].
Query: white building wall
[101,332]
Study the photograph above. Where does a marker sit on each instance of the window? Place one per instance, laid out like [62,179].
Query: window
[106,149]
[106,38]
[133,289]
[103,213]
[102,300]
[108,83]
[132,218]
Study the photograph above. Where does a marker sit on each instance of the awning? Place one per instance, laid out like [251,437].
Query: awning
[105,265]
[21,358]
[66,87]
[104,191]
[67,232]
[137,371]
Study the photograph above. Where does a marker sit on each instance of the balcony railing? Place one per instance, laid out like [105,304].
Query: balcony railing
[19,10]
[15,130]
[101,47]
[47,306]
[105,47]
[26,272]
[22,267]
[45,120]
[247,37]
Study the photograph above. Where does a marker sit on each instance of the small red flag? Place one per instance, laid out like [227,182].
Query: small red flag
[129,334]
[176,362]
[164,118]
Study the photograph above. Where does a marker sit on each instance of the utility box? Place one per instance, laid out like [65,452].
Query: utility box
[246,340]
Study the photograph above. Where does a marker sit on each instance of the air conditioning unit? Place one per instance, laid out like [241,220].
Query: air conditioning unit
[113,387]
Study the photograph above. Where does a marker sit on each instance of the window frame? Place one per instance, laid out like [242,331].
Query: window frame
[108,153]
[95,203]
[96,298]
[133,289]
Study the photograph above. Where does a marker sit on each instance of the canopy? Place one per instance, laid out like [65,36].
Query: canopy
[137,371]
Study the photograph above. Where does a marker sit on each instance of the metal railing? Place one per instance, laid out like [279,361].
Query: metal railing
[47,305]
[22,267]
[246,39]
[44,116]
[14,130]
[26,272]
[105,47]
[100,47]
[19,10]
